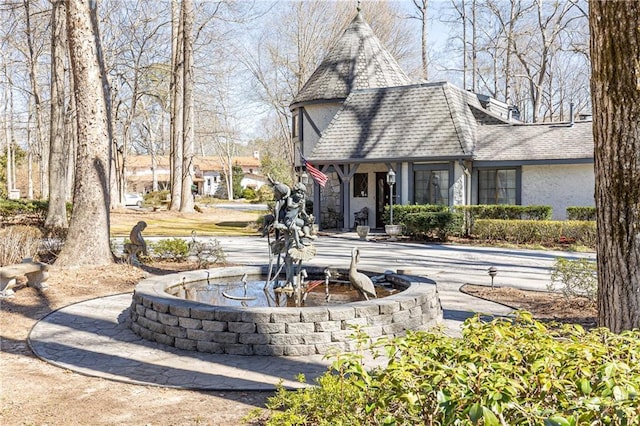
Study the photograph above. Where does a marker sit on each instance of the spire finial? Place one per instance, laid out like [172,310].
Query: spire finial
[358,6]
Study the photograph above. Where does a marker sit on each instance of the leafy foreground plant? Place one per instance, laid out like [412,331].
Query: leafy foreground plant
[506,372]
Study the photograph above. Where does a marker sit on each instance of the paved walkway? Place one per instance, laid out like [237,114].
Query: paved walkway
[92,337]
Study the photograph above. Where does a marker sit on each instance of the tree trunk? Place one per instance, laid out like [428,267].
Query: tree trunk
[421,6]
[88,237]
[35,96]
[188,145]
[177,109]
[8,133]
[58,150]
[615,91]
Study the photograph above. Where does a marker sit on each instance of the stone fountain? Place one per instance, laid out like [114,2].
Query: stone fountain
[159,311]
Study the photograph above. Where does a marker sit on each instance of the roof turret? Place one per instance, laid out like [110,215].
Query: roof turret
[356,61]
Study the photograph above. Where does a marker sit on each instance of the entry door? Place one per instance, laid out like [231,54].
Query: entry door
[382,197]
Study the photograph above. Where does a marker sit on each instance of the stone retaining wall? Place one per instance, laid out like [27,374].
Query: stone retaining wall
[196,326]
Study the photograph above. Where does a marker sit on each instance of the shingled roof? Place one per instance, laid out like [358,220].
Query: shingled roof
[422,121]
[356,61]
[535,142]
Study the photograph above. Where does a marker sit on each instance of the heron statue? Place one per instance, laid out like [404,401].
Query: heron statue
[360,281]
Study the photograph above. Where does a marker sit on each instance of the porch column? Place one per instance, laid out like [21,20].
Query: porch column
[316,203]
[403,184]
[346,202]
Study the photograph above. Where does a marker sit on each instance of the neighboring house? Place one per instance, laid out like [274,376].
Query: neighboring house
[359,115]
[208,173]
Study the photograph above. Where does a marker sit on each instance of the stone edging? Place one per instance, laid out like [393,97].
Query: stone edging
[271,331]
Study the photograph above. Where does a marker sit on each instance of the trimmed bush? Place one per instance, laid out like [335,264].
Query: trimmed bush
[400,211]
[506,211]
[175,249]
[156,198]
[505,372]
[581,213]
[501,211]
[433,224]
[248,194]
[546,232]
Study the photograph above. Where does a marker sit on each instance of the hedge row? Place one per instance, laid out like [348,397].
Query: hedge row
[438,225]
[401,211]
[505,211]
[581,213]
[546,232]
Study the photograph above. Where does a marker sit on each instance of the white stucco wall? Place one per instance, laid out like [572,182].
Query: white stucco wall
[558,186]
[321,114]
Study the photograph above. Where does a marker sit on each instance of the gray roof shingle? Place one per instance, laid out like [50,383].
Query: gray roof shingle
[535,142]
[422,121]
[357,61]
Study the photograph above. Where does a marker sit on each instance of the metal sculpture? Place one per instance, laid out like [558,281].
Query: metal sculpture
[290,225]
[360,281]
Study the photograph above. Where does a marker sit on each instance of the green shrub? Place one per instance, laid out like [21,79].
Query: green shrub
[505,372]
[545,232]
[581,213]
[264,194]
[578,277]
[506,211]
[35,211]
[248,194]
[156,198]
[175,249]
[433,224]
[501,211]
[400,211]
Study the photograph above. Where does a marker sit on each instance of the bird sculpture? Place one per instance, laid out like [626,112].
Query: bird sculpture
[360,281]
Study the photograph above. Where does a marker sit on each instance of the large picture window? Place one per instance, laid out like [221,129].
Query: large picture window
[497,186]
[431,187]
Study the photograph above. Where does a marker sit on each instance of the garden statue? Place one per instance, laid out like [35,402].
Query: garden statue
[137,244]
[291,225]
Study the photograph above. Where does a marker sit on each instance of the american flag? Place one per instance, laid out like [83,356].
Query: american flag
[319,177]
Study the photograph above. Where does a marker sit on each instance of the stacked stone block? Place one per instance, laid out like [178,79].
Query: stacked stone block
[279,331]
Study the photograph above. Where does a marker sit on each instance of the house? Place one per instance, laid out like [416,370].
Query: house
[359,116]
[208,173]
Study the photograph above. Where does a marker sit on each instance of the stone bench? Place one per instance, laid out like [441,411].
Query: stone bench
[36,273]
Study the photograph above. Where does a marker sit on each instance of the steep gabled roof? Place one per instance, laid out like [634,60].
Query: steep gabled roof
[535,142]
[356,61]
[422,121]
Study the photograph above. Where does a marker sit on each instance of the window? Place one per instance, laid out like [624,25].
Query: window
[497,186]
[294,125]
[361,185]
[431,187]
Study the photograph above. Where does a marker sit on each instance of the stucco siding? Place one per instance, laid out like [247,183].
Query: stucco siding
[321,115]
[558,186]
